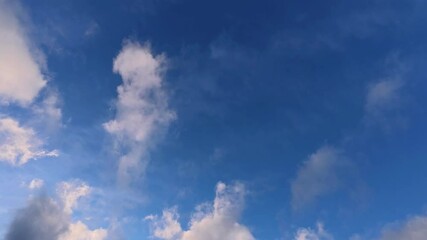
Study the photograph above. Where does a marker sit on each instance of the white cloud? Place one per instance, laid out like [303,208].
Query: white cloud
[20,144]
[313,234]
[79,231]
[36,183]
[414,228]
[21,76]
[319,175]
[168,227]
[70,192]
[142,110]
[217,221]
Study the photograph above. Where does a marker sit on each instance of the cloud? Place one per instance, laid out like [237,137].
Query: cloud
[168,227]
[70,192]
[414,228]
[22,80]
[317,176]
[382,95]
[21,77]
[79,231]
[46,218]
[41,219]
[385,96]
[48,111]
[217,221]
[92,29]
[20,144]
[36,183]
[142,110]
[309,234]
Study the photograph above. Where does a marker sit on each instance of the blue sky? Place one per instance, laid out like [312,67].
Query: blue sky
[231,120]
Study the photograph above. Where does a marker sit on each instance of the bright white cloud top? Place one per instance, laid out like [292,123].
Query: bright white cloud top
[217,221]
[142,108]
[36,183]
[21,77]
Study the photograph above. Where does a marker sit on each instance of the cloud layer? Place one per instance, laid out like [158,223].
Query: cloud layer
[142,109]
[217,221]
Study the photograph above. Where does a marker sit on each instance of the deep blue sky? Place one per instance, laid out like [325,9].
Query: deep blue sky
[258,89]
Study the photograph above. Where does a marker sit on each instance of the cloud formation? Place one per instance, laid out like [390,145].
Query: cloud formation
[382,95]
[317,176]
[36,183]
[41,219]
[20,144]
[70,192]
[21,77]
[46,218]
[48,111]
[217,221]
[142,110]
[414,228]
[79,231]
[313,234]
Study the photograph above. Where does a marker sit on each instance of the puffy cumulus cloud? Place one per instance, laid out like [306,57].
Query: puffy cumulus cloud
[414,228]
[47,218]
[20,144]
[70,192]
[168,227]
[318,175]
[36,183]
[79,231]
[313,234]
[42,218]
[217,221]
[142,110]
[21,76]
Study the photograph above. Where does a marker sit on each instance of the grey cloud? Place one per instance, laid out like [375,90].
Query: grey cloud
[41,219]
[319,175]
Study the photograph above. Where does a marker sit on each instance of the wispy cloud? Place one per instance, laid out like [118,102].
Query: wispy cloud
[142,110]
[19,144]
[211,221]
[414,228]
[384,96]
[319,175]
[313,234]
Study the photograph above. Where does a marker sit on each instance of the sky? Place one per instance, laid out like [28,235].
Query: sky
[213,120]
